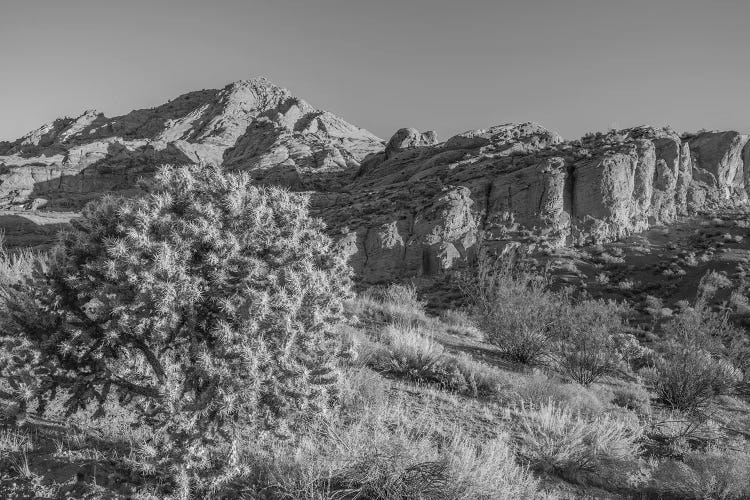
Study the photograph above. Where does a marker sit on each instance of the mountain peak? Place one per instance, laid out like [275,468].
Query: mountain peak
[252,125]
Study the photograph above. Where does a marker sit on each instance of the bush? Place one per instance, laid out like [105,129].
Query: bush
[395,293]
[516,310]
[633,397]
[553,438]
[409,353]
[530,323]
[695,367]
[589,347]
[395,303]
[537,389]
[17,266]
[460,323]
[715,473]
[689,379]
[456,318]
[207,305]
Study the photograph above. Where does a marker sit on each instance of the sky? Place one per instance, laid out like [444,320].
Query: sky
[446,65]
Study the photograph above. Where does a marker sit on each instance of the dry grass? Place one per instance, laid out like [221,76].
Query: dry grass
[397,304]
[413,354]
[555,438]
[459,323]
[14,441]
[538,388]
[387,452]
[14,266]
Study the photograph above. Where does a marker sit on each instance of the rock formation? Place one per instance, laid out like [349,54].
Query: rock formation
[421,209]
[249,125]
[409,207]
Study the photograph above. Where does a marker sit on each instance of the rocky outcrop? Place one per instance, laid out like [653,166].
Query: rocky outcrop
[520,183]
[718,163]
[249,125]
[410,207]
[408,138]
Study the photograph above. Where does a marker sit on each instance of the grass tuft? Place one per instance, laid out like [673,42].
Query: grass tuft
[555,438]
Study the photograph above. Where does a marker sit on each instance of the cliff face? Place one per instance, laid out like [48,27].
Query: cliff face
[409,207]
[421,209]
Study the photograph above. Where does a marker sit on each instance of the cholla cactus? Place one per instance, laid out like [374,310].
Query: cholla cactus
[206,304]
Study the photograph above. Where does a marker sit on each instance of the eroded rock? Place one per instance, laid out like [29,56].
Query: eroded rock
[410,207]
[718,163]
[250,125]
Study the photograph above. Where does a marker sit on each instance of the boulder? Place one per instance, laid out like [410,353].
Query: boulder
[510,135]
[409,138]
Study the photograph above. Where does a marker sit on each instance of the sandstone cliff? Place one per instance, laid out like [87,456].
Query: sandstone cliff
[420,207]
[409,207]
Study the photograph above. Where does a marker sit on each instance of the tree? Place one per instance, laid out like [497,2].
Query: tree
[207,305]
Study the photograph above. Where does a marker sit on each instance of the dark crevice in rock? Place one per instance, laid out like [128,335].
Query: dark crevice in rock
[486,214]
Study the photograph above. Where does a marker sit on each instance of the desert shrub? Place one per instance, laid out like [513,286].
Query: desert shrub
[408,352]
[688,380]
[653,305]
[395,303]
[460,323]
[17,266]
[696,364]
[677,432]
[516,310]
[709,284]
[397,293]
[488,471]
[633,397]
[713,473]
[589,345]
[634,354]
[207,305]
[554,438]
[470,376]
[537,388]
[457,318]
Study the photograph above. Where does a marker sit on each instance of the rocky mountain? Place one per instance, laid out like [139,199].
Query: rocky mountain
[413,206]
[249,125]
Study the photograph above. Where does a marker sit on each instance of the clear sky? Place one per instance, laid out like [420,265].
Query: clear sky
[445,65]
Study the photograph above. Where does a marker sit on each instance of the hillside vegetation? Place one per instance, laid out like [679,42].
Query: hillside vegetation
[204,341]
